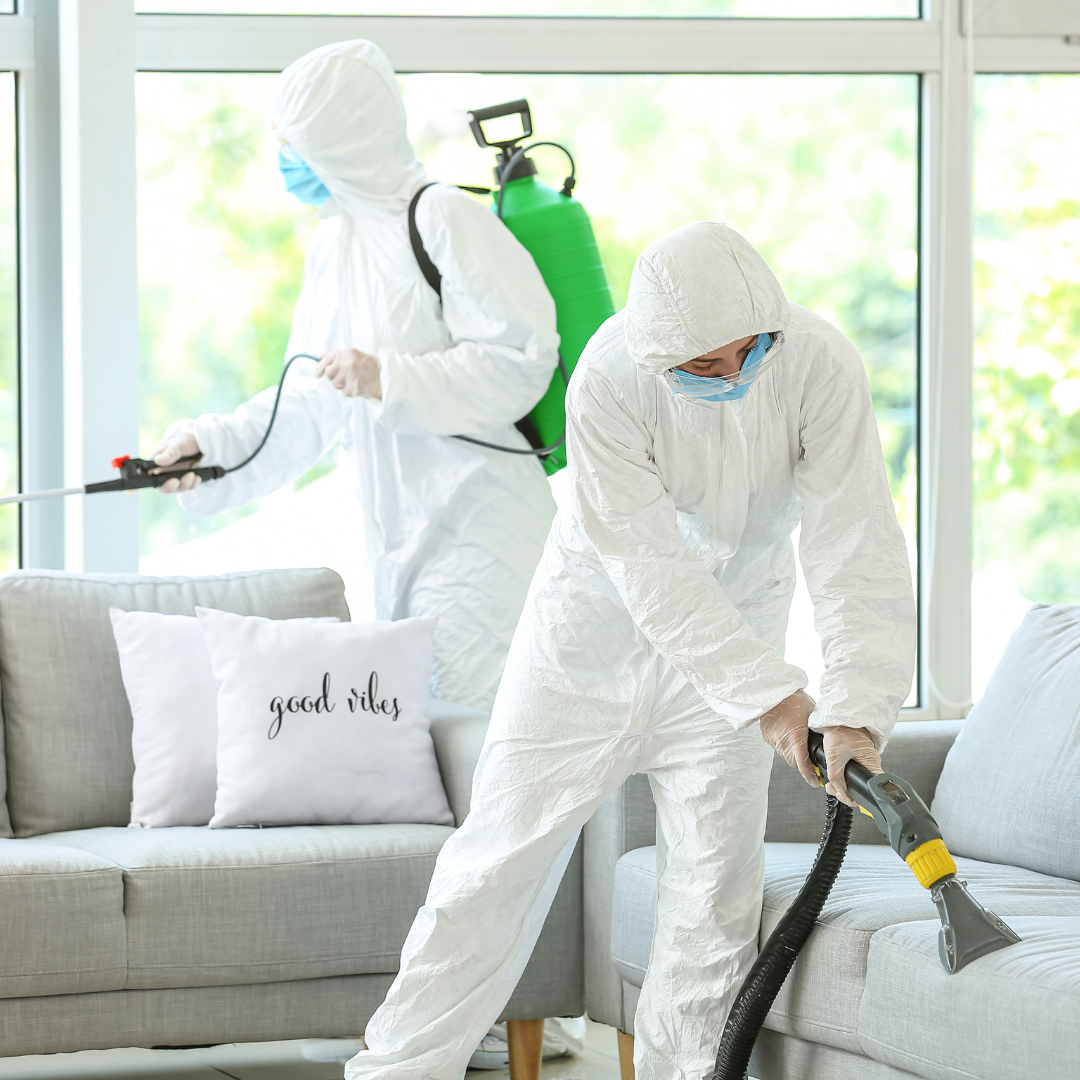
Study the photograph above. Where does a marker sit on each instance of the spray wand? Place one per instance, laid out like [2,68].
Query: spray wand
[138,473]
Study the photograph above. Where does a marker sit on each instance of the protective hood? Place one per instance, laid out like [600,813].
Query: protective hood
[339,108]
[696,289]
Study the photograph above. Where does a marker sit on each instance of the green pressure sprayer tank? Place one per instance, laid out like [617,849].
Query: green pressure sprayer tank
[555,229]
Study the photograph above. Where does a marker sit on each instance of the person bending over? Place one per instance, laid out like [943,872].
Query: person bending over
[705,422]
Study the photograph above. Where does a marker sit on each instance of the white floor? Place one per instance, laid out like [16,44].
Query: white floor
[271,1061]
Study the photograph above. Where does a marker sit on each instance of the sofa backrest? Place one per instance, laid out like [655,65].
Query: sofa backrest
[1009,792]
[67,724]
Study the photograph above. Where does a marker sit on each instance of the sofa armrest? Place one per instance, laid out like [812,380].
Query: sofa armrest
[625,822]
[916,751]
[458,733]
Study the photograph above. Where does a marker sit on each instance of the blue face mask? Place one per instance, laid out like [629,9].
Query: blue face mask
[300,178]
[719,388]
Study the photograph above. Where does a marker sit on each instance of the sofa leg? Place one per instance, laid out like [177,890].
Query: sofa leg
[526,1041]
[626,1056]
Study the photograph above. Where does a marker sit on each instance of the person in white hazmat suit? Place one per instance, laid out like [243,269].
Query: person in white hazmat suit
[452,529]
[705,422]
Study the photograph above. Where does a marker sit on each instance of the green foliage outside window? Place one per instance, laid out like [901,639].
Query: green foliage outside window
[1027,358]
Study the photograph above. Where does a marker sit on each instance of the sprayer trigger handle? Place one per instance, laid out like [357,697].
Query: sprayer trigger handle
[491,112]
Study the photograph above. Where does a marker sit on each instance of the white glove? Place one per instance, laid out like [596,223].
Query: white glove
[354,373]
[176,443]
[844,744]
[784,728]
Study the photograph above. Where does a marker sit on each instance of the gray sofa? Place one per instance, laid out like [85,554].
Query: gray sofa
[868,999]
[186,936]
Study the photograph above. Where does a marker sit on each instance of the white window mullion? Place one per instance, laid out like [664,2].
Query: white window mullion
[100,308]
[41,337]
[947,345]
[539,45]
[1027,55]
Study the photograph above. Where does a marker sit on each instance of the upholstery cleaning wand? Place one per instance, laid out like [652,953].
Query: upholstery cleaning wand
[138,473]
[967,932]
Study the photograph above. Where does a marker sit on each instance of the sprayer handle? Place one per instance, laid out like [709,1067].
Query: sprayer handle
[492,112]
[857,775]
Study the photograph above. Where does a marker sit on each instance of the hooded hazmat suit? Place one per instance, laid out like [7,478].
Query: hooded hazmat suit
[651,641]
[452,529]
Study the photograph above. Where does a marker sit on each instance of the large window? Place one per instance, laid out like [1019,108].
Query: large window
[834,133]
[1027,354]
[818,171]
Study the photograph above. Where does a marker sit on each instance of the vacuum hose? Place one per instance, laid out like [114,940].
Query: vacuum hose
[771,968]
[968,930]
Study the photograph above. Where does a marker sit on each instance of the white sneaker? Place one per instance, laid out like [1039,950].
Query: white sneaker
[562,1035]
[492,1053]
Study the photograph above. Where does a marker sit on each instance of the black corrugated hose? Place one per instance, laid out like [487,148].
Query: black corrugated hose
[771,968]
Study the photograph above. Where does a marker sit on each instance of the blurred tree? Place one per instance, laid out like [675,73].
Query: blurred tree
[221,262]
[1027,372]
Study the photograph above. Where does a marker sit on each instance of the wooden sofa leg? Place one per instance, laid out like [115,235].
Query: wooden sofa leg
[526,1041]
[626,1056]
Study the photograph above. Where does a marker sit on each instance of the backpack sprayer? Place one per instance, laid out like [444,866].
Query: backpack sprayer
[967,932]
[556,231]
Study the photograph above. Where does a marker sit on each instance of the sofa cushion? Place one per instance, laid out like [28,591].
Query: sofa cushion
[1011,783]
[875,889]
[820,1000]
[1014,1013]
[63,921]
[66,717]
[210,907]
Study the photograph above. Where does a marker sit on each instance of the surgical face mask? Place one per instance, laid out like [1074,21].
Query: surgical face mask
[300,178]
[727,387]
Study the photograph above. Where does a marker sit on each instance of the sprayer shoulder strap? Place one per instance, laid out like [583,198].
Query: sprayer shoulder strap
[434,279]
[423,259]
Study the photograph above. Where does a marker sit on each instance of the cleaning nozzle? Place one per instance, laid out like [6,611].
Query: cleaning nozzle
[968,930]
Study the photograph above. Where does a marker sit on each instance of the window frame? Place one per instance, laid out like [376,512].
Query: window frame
[951,42]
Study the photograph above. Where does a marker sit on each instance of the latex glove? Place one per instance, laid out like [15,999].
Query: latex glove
[176,443]
[784,728]
[844,744]
[354,373]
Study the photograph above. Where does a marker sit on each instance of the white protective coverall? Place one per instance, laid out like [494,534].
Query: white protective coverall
[452,529]
[651,641]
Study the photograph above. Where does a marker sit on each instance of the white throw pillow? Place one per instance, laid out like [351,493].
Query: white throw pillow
[172,692]
[173,696]
[323,724]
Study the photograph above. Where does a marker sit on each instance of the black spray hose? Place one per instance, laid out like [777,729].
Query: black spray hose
[273,414]
[776,958]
